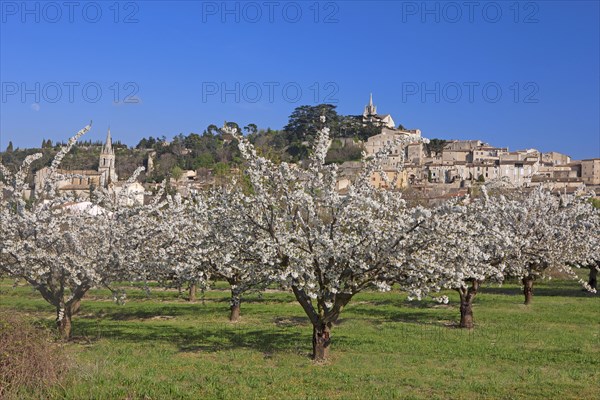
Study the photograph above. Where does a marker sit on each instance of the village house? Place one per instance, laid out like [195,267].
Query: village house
[590,171]
[393,179]
[555,158]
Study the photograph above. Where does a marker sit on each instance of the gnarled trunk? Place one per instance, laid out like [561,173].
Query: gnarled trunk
[193,291]
[236,299]
[323,320]
[321,341]
[64,316]
[466,314]
[234,316]
[528,289]
[53,292]
[467,295]
[593,278]
[63,323]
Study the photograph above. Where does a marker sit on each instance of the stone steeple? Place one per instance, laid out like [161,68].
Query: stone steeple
[107,162]
[108,144]
[370,109]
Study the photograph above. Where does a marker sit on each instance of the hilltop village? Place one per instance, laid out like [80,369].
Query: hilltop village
[437,170]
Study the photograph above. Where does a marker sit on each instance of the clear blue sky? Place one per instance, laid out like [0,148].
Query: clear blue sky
[435,66]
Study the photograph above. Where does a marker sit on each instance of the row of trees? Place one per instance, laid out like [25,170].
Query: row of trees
[290,227]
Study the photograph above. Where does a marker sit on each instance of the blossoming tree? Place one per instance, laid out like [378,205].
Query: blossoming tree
[538,228]
[464,249]
[584,251]
[327,246]
[60,246]
[162,240]
[230,251]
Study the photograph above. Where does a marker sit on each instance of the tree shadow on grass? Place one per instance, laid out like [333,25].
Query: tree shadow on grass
[158,311]
[542,290]
[287,322]
[400,301]
[201,337]
[380,315]
[153,310]
[254,299]
[576,291]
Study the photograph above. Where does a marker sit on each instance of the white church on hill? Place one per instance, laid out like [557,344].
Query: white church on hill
[370,115]
[388,134]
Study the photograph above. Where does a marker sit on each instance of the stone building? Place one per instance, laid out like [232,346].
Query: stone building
[555,158]
[590,171]
[395,179]
[370,115]
[80,183]
[107,162]
[387,137]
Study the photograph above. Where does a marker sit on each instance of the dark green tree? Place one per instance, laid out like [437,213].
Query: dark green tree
[353,126]
[305,121]
[204,160]
[212,130]
[251,128]
[436,146]
[233,125]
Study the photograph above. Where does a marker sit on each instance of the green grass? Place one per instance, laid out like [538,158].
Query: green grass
[164,347]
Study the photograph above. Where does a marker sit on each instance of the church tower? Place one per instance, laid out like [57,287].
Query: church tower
[370,109]
[107,162]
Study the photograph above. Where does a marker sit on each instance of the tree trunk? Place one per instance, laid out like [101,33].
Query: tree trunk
[322,322]
[467,295]
[193,292]
[63,322]
[234,316]
[593,279]
[466,314]
[321,341]
[528,289]
[235,306]
[64,317]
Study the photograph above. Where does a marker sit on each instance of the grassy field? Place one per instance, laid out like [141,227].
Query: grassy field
[164,347]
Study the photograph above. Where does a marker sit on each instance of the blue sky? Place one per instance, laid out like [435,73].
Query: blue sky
[521,75]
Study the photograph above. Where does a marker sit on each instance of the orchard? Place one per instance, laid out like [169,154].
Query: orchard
[286,228]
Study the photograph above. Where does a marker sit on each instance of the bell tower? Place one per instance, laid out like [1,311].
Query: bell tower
[370,109]
[107,162]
